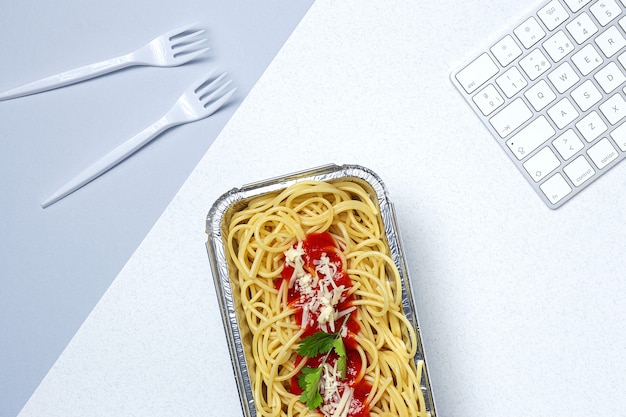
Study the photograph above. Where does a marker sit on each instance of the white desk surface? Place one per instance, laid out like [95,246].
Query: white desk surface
[520,307]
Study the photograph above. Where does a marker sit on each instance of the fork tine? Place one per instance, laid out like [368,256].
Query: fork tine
[187,37]
[215,105]
[207,98]
[183,58]
[188,47]
[206,86]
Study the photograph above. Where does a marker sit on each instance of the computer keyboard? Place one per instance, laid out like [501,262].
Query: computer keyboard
[552,91]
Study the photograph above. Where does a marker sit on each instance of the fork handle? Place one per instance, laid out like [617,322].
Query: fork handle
[69,77]
[109,160]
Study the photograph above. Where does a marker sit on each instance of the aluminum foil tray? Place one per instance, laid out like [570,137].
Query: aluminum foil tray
[235,327]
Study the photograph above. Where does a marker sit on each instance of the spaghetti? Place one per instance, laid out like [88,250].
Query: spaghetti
[311,264]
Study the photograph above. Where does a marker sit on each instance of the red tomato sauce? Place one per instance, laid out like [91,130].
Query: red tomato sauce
[314,247]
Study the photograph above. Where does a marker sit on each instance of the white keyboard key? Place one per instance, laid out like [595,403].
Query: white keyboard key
[558,46]
[610,41]
[591,126]
[576,5]
[488,99]
[556,188]
[541,164]
[529,32]
[506,50]
[602,153]
[530,137]
[619,136]
[586,95]
[477,73]
[605,11]
[540,95]
[568,144]
[564,77]
[534,64]
[579,171]
[582,28]
[587,59]
[614,109]
[563,113]
[622,21]
[610,77]
[511,82]
[622,59]
[511,117]
[552,14]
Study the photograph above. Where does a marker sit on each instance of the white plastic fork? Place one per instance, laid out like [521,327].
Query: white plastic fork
[199,101]
[171,49]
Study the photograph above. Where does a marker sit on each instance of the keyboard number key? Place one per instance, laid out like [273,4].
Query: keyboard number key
[556,188]
[541,164]
[568,144]
[605,11]
[506,50]
[602,153]
[534,64]
[553,14]
[576,5]
[511,82]
[488,99]
[591,126]
[529,32]
[582,28]
[579,171]
[558,46]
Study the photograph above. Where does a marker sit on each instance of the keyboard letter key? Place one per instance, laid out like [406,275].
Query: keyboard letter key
[587,59]
[562,113]
[540,95]
[611,41]
[531,137]
[591,126]
[564,77]
[614,109]
[477,73]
